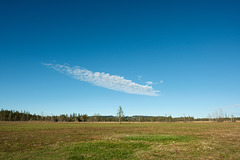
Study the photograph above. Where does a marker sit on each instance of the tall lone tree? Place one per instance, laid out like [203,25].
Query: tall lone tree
[120,114]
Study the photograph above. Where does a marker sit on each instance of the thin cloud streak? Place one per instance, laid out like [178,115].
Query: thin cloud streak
[149,82]
[153,83]
[113,82]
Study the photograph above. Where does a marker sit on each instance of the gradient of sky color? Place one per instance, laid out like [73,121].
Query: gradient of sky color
[193,47]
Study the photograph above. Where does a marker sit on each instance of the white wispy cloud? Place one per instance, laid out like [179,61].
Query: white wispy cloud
[113,82]
[149,82]
[152,83]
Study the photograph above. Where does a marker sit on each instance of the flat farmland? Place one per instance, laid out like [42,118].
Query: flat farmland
[42,140]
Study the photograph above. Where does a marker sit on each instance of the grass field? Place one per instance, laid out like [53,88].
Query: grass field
[41,140]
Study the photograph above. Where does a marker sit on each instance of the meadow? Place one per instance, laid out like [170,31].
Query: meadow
[49,140]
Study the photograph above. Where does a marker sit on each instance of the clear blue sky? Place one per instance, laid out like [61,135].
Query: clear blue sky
[189,50]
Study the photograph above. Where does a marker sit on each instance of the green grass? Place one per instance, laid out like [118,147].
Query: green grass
[106,150]
[60,141]
[159,138]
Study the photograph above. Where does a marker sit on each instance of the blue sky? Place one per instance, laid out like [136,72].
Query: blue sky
[188,50]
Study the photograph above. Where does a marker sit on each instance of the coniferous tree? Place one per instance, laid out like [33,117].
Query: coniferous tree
[120,114]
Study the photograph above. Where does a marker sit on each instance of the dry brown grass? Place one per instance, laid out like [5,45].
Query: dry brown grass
[36,140]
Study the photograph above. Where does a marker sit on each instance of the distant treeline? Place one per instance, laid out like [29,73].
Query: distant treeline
[11,115]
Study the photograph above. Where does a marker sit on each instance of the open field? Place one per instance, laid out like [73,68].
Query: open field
[41,140]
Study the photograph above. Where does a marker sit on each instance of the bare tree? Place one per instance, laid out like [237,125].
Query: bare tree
[232,118]
[209,117]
